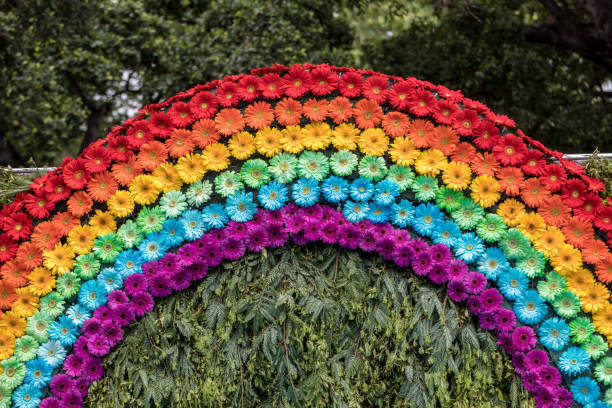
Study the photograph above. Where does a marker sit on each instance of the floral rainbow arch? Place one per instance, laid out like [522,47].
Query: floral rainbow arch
[418,173]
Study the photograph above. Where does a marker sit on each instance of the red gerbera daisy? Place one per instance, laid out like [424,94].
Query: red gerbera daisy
[139,134]
[151,155]
[401,95]
[464,152]
[271,86]
[228,94]
[296,82]
[118,149]
[396,124]
[603,220]
[37,186]
[340,109]
[316,110]
[534,163]
[453,96]
[573,167]
[554,211]
[248,88]
[554,177]
[444,111]
[323,81]
[30,255]
[75,174]
[97,159]
[423,103]
[486,135]
[485,164]
[577,232]
[161,124]
[102,186]
[573,193]
[204,105]
[181,114]
[180,143]
[465,121]
[588,210]
[596,252]
[594,184]
[56,190]
[205,132]
[18,226]
[500,120]
[38,207]
[534,193]
[350,84]
[229,121]
[510,150]
[476,105]
[79,203]
[367,114]
[8,247]
[375,88]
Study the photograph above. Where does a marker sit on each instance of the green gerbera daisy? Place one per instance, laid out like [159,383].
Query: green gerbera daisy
[52,304]
[514,244]
[581,329]
[449,200]
[68,285]
[151,219]
[5,396]
[468,215]
[129,234]
[608,396]
[372,167]
[424,188]
[343,163]
[492,228]
[603,371]
[87,265]
[228,183]
[173,203]
[283,167]
[26,348]
[198,193]
[532,263]
[108,246]
[402,176]
[314,165]
[595,347]
[566,304]
[13,372]
[38,326]
[551,286]
[255,173]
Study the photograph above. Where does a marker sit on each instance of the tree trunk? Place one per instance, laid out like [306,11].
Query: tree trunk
[95,120]
[8,155]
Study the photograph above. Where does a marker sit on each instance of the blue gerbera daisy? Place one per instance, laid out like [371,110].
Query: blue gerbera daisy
[173,232]
[446,232]
[214,216]
[530,308]
[355,212]
[426,217]
[378,213]
[193,224]
[554,333]
[335,189]
[597,404]
[273,195]
[469,247]
[92,295]
[111,279]
[492,263]
[153,247]
[240,206]
[78,314]
[305,192]
[27,396]
[64,331]
[402,213]
[38,373]
[361,189]
[512,283]
[574,361]
[385,192]
[585,390]
[52,352]
[129,262]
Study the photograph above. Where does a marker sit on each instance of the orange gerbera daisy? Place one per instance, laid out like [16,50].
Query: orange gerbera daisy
[101,186]
[180,143]
[292,139]
[580,281]
[216,157]
[81,239]
[595,252]
[457,175]
[190,168]
[14,273]
[204,132]
[8,295]
[29,255]
[554,211]
[288,112]
[344,136]
[534,193]
[258,115]
[242,145]
[549,241]
[103,222]
[367,113]
[604,270]
[420,131]
[79,203]
[578,232]
[167,177]
[316,110]
[510,179]
[396,124]
[485,164]
[26,303]
[445,139]
[373,142]
[340,109]
[45,235]
[464,152]
[403,151]
[594,298]
[13,324]
[229,121]
[60,259]
[125,172]
[268,141]
[151,155]
[510,210]
[531,225]
[64,222]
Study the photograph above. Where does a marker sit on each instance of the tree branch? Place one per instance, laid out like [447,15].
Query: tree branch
[16,3]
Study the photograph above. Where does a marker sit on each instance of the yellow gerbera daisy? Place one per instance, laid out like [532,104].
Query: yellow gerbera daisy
[7,345]
[167,177]
[594,298]
[549,241]
[268,141]
[457,175]
[567,260]
[373,141]
[81,239]
[144,189]
[242,145]
[580,281]
[41,282]
[103,222]
[430,162]
[603,320]
[344,136]
[26,303]
[317,135]
[60,259]
[216,157]
[292,139]
[510,210]
[532,225]
[485,190]
[190,168]
[120,204]
[403,152]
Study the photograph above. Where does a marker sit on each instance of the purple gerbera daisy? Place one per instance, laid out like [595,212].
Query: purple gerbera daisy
[277,235]
[117,298]
[329,232]
[256,238]
[506,320]
[124,315]
[456,269]
[385,247]
[475,282]
[98,345]
[536,360]
[456,290]
[73,364]
[180,279]
[135,283]
[198,270]
[545,398]
[294,224]
[440,253]
[368,240]
[422,263]
[91,326]
[419,245]
[312,229]
[80,346]
[237,229]
[160,286]
[50,403]
[531,381]
[61,384]
[142,303]
[491,299]
[348,236]
[92,369]
[112,331]
[103,312]
[82,386]
[438,273]
[550,376]
[403,254]
[72,399]
[169,263]
[523,338]
[188,254]
[487,320]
